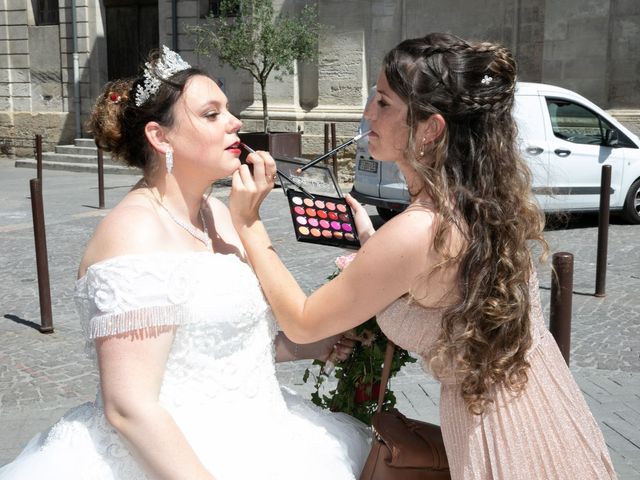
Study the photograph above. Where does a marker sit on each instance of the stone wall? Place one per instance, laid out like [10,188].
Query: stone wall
[590,46]
[629,118]
[36,71]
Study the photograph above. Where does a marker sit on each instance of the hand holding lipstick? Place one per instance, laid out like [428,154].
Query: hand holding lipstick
[250,187]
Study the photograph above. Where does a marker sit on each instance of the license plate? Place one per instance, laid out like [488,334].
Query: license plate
[368,166]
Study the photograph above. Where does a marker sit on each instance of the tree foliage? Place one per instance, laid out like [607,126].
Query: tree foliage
[248,35]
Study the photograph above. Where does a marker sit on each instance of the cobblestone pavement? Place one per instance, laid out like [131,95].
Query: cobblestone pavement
[41,376]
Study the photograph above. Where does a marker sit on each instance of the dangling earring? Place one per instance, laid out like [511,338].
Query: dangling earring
[169,160]
[422,148]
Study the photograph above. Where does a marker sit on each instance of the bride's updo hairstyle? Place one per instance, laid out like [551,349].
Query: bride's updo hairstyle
[117,123]
[480,184]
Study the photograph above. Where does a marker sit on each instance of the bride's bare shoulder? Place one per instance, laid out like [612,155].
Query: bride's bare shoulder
[132,226]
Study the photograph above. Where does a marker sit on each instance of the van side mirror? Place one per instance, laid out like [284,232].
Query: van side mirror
[611,138]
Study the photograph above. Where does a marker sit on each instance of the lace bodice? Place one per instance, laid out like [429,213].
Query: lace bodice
[225,335]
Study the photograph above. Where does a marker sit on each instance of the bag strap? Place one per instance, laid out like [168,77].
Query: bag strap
[386,373]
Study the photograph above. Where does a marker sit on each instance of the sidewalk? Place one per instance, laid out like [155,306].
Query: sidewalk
[41,376]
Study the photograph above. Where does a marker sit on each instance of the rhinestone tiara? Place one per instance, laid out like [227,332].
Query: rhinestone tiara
[166,66]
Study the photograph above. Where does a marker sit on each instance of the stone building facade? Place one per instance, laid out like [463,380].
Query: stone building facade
[590,46]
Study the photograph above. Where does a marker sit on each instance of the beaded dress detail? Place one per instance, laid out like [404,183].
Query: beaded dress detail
[546,433]
[220,382]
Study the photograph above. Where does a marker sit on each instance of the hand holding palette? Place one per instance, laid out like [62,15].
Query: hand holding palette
[323,219]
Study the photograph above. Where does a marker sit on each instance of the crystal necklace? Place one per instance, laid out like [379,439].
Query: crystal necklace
[202,235]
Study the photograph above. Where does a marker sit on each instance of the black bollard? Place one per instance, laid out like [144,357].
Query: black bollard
[100,178]
[42,262]
[38,143]
[603,231]
[561,301]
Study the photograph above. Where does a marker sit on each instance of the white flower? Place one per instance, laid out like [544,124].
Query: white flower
[486,80]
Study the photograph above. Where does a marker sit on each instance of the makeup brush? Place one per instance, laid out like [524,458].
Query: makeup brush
[284,175]
[337,149]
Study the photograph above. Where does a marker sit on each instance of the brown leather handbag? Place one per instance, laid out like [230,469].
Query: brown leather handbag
[403,448]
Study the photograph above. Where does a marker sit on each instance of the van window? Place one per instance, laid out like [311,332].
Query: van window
[577,124]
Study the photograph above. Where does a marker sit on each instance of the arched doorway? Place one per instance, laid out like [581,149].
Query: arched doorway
[132,30]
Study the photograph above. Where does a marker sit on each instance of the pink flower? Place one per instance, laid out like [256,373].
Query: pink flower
[343,261]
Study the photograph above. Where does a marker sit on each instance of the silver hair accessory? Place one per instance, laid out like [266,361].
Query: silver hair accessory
[167,65]
[168,157]
[486,80]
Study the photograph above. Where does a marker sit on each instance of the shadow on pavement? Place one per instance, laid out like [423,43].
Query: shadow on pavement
[22,321]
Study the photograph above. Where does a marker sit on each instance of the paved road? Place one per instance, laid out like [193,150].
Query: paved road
[43,375]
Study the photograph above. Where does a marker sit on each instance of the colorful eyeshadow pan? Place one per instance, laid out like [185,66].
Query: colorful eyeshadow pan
[323,220]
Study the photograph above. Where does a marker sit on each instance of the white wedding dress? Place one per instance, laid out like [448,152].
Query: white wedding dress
[220,381]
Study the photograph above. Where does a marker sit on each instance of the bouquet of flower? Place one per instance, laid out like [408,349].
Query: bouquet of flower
[358,378]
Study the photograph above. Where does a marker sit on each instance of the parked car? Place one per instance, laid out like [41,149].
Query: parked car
[565,139]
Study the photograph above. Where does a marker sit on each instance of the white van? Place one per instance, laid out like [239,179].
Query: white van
[565,139]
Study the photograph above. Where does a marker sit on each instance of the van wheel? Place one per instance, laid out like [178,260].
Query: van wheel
[631,209]
[386,213]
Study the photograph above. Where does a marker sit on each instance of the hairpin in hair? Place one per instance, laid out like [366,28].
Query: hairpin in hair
[115,97]
[166,66]
[486,80]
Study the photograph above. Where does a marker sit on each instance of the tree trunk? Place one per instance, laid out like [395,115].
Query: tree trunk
[265,111]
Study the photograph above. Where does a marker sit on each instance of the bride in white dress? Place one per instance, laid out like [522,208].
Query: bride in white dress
[184,341]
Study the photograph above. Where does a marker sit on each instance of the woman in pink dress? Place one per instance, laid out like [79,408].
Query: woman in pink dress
[452,277]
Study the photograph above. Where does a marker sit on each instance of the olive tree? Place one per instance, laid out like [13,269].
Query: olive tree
[248,35]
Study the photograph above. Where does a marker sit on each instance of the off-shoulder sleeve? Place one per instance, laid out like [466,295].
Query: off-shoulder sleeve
[139,319]
[119,297]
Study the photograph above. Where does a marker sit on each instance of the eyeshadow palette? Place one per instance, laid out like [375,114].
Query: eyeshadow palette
[318,210]
[323,220]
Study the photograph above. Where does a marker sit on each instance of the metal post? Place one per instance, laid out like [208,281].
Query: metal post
[100,178]
[42,262]
[38,141]
[603,231]
[76,69]
[561,301]
[326,141]
[333,146]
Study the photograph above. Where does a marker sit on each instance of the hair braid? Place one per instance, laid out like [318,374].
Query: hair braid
[476,178]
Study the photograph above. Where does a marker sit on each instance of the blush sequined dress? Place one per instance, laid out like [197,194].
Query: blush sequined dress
[547,433]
